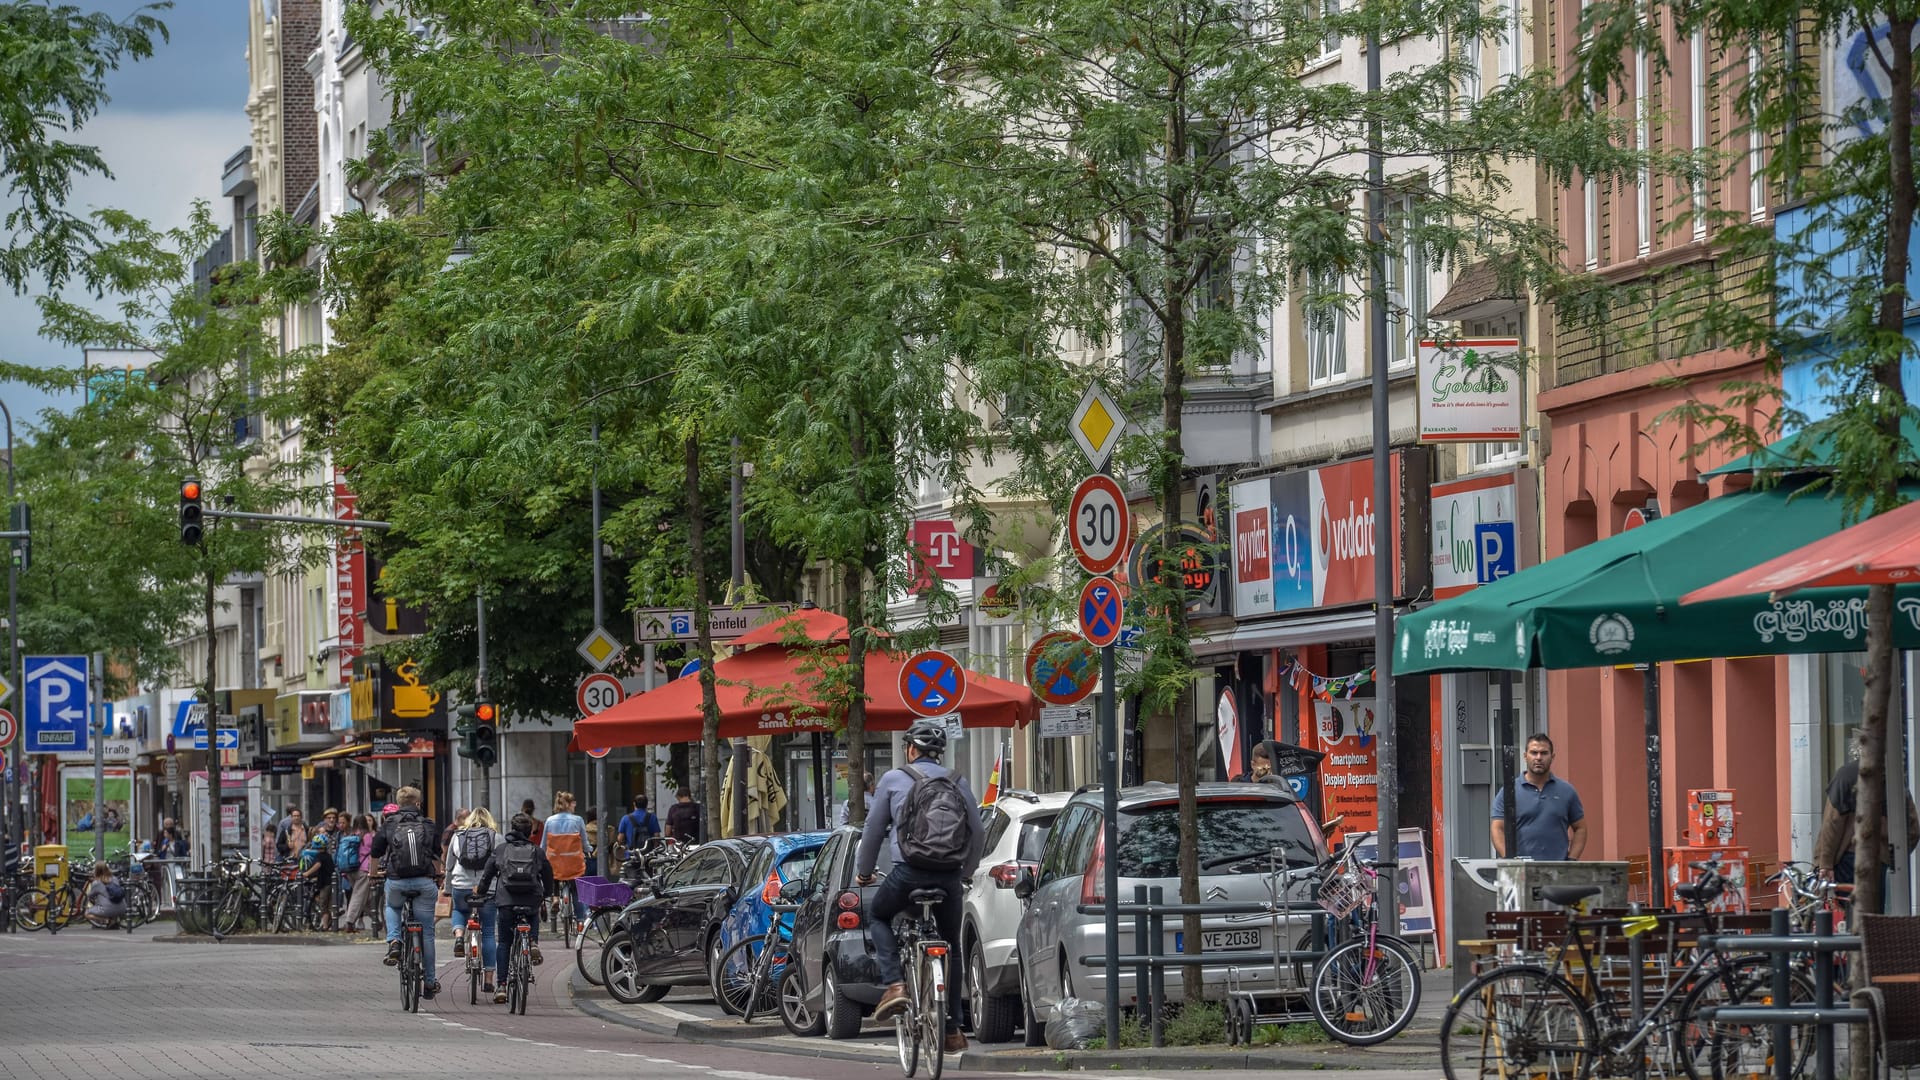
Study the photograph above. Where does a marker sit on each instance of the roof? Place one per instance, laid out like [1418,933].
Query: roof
[1813,449]
[1478,293]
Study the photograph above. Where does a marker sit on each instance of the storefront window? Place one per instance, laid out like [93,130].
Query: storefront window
[1845,689]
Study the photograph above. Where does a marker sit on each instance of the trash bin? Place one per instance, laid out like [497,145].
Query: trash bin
[194,901]
[50,864]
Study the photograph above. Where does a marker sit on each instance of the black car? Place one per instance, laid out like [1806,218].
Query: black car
[660,941]
[831,951]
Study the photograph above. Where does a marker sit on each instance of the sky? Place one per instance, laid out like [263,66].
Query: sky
[170,125]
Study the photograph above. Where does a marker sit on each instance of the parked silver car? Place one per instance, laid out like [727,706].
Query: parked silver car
[1239,826]
[1016,830]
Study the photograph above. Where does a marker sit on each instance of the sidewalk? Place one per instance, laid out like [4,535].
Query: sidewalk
[691,1019]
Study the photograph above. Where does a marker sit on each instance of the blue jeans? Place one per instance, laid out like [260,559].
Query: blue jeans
[462,898]
[424,892]
[893,897]
[508,922]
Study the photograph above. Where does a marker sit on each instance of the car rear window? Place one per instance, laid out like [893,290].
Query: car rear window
[798,864]
[1033,836]
[1235,837]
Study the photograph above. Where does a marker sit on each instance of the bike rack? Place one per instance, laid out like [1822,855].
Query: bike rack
[1823,943]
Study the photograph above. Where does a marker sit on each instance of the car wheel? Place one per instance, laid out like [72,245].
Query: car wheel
[1036,1032]
[843,1013]
[619,972]
[994,1015]
[798,1017]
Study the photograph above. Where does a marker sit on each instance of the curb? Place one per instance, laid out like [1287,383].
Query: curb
[1022,1059]
[259,939]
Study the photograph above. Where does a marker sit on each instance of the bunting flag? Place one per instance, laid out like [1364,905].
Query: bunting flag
[1326,687]
[992,794]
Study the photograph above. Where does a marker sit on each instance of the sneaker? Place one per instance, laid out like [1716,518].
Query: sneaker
[499,997]
[459,939]
[393,954]
[431,989]
[533,954]
[892,1003]
[955,1043]
[487,987]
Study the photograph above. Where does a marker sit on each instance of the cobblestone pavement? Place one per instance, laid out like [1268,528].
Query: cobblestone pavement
[88,1004]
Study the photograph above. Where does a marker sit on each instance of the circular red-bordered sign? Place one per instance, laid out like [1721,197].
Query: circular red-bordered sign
[1062,668]
[9,729]
[597,693]
[1099,525]
[932,683]
[1101,612]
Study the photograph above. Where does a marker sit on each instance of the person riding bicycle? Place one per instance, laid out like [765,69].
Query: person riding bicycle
[937,842]
[525,879]
[408,846]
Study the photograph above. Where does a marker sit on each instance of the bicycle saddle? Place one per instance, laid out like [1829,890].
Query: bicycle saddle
[1568,895]
[934,895]
[1701,892]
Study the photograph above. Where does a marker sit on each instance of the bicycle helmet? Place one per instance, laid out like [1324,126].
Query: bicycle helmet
[929,735]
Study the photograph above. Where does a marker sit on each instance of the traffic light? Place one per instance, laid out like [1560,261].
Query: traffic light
[480,739]
[20,520]
[192,528]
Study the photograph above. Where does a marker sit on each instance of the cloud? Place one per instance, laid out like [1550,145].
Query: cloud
[161,162]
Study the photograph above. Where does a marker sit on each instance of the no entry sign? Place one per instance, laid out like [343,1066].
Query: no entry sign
[1098,524]
[932,683]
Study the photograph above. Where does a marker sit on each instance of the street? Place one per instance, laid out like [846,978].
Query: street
[90,1004]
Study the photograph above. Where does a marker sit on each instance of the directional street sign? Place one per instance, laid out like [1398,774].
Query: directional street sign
[9,727]
[1099,524]
[56,703]
[597,693]
[932,683]
[600,648]
[1100,612]
[1062,668]
[1097,425]
[229,738]
[1494,551]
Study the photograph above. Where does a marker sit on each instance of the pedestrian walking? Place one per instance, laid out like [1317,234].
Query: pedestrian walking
[527,808]
[683,818]
[360,904]
[1833,845]
[291,839]
[1547,812]
[593,841]
[638,826]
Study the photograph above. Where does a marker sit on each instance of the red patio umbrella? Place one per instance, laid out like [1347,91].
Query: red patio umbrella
[761,690]
[1882,550]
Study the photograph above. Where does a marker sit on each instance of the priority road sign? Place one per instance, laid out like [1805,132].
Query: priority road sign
[1100,606]
[6,688]
[597,693]
[1099,524]
[9,728]
[932,683]
[600,648]
[56,701]
[1097,424]
[1062,668]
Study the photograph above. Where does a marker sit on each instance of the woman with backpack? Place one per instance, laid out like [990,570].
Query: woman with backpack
[106,897]
[359,904]
[346,867]
[469,850]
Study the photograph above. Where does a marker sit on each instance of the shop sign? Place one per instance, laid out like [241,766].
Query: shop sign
[286,720]
[382,696]
[1349,774]
[1460,550]
[938,551]
[282,764]
[340,711]
[1345,527]
[316,714]
[1306,539]
[1252,545]
[403,744]
[349,573]
[1469,390]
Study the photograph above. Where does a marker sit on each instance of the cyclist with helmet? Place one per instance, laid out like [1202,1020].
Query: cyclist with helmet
[896,804]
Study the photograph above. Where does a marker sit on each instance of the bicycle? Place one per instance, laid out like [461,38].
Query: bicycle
[746,977]
[520,965]
[924,1021]
[475,966]
[413,963]
[560,912]
[605,900]
[1365,988]
[1557,1021]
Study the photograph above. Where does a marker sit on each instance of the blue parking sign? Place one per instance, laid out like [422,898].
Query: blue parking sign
[1495,556]
[56,704]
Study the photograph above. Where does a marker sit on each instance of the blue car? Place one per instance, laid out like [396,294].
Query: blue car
[781,859]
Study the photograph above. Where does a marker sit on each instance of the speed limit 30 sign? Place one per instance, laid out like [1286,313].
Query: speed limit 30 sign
[597,693]
[1098,524]
[8,728]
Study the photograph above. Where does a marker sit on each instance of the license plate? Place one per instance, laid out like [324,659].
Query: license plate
[1220,940]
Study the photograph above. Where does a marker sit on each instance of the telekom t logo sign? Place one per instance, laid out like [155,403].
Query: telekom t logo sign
[939,552]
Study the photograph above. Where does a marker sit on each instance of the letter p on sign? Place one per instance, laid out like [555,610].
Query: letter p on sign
[1493,543]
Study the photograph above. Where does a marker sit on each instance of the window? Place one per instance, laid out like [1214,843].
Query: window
[1407,280]
[1330,42]
[1326,327]
[1234,837]
[1493,455]
[1756,163]
[1033,836]
[1472,56]
[1643,200]
[1697,110]
[1510,48]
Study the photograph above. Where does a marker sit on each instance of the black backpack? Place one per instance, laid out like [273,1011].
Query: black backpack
[473,847]
[520,871]
[116,892]
[932,830]
[410,844]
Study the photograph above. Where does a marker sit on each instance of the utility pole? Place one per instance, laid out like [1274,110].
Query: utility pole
[12,774]
[1387,839]
[601,795]
[742,754]
[480,690]
[97,717]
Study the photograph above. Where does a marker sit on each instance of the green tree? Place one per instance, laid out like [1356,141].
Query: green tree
[54,61]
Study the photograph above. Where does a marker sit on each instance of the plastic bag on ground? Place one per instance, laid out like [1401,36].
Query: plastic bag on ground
[1074,1022]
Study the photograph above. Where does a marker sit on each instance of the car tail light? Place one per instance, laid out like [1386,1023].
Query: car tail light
[1095,879]
[849,917]
[849,901]
[771,892]
[848,920]
[1007,874]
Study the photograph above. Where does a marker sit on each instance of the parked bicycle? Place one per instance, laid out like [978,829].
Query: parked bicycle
[747,976]
[1366,987]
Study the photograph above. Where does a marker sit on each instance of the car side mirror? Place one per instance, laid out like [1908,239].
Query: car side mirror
[794,892]
[1024,885]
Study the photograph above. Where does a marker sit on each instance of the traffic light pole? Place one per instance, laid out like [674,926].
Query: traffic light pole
[480,689]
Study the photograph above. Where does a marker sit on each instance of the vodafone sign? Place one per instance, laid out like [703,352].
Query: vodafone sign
[1307,539]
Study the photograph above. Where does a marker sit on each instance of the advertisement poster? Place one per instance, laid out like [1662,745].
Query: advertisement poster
[1460,507]
[1291,519]
[1469,391]
[1252,547]
[78,804]
[1412,882]
[1349,775]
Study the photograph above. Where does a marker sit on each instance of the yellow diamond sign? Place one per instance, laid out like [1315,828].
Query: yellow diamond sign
[1097,425]
[600,648]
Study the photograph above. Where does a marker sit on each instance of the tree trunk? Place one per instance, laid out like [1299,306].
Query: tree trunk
[857,644]
[703,623]
[213,740]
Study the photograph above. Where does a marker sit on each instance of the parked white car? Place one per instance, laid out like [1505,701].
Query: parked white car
[1016,829]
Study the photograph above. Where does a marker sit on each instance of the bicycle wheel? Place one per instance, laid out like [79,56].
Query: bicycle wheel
[140,909]
[1517,1021]
[1365,994]
[522,984]
[1725,1050]
[906,1026]
[933,1014]
[586,953]
[30,909]
[743,977]
[569,927]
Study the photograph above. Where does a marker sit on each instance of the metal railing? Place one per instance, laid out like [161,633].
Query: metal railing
[1783,1016]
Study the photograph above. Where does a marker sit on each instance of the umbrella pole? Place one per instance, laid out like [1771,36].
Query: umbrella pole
[819,783]
[1656,848]
[1504,736]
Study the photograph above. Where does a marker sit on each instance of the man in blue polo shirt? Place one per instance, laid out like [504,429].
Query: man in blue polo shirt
[1548,815]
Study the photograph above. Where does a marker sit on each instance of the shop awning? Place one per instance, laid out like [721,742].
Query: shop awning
[1882,550]
[1618,601]
[354,749]
[1305,628]
[1812,450]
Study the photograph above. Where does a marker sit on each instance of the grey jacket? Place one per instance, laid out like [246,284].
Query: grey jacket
[889,795]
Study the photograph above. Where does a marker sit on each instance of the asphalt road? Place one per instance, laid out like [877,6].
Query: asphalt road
[89,1004]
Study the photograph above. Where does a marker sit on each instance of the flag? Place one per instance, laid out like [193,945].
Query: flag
[992,794]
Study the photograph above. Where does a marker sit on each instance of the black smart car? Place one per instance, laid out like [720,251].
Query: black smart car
[831,953]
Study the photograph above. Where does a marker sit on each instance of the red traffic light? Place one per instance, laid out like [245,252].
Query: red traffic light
[190,489]
[483,712]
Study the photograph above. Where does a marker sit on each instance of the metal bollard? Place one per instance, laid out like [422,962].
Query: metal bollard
[1822,998]
[1145,1006]
[1636,984]
[1158,976]
[1780,964]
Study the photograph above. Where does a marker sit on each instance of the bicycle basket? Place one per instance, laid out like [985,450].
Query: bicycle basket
[1342,896]
[598,892]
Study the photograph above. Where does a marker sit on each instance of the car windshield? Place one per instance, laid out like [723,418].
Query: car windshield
[1033,836]
[1229,832]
